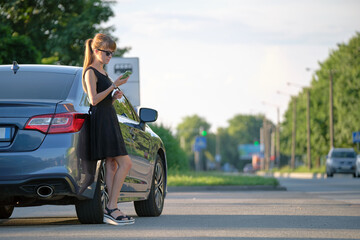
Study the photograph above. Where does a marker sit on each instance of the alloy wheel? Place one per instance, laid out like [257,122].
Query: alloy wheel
[159,185]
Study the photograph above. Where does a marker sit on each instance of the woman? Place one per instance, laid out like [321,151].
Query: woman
[105,134]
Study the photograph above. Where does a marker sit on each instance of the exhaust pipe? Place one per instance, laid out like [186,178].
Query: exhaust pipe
[45,191]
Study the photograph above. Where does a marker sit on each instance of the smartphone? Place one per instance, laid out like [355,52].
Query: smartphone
[126,74]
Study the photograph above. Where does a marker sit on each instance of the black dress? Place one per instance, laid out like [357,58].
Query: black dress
[105,135]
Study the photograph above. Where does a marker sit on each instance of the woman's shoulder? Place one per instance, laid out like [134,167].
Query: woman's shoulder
[90,69]
[96,71]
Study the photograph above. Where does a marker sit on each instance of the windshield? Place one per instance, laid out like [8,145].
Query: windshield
[35,85]
[343,154]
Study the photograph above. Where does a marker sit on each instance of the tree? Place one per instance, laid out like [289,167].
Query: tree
[14,47]
[176,157]
[243,129]
[187,131]
[57,29]
[342,66]
[189,128]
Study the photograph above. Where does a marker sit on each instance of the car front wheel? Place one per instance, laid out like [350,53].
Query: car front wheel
[153,206]
[356,174]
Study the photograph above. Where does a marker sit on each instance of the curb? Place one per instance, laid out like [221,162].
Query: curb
[293,175]
[224,188]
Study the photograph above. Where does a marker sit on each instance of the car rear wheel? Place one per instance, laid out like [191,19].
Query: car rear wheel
[153,206]
[6,211]
[92,210]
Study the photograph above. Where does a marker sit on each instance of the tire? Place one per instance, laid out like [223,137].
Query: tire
[356,174]
[153,206]
[329,173]
[6,211]
[91,211]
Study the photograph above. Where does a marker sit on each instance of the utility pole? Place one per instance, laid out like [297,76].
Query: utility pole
[331,109]
[293,146]
[308,128]
[277,146]
[278,139]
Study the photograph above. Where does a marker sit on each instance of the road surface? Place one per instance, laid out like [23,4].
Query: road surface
[316,209]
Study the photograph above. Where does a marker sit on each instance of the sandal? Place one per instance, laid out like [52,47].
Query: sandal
[120,220]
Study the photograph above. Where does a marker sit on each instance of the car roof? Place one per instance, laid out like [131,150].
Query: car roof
[42,68]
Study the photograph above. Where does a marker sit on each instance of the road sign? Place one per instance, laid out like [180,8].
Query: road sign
[200,143]
[356,137]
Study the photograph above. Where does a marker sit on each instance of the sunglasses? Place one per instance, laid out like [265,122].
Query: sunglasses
[108,53]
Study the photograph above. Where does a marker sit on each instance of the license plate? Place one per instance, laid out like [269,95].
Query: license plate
[346,167]
[5,134]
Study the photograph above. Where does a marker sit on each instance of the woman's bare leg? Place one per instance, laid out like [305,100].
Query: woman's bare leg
[115,180]
[111,167]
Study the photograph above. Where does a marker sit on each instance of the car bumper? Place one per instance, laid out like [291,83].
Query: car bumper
[55,164]
[342,169]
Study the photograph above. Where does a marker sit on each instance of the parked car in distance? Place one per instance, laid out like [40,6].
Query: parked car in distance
[340,160]
[44,150]
[248,168]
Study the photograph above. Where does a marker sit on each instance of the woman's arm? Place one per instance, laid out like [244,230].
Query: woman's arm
[95,97]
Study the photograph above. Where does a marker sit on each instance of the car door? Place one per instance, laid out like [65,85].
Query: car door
[138,145]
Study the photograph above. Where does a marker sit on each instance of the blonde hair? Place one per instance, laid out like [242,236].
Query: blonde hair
[100,41]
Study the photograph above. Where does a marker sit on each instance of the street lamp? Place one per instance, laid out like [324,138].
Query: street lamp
[277,132]
[292,163]
[307,122]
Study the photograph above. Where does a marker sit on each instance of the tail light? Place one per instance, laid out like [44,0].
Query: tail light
[57,123]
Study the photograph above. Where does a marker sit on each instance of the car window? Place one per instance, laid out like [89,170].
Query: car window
[124,108]
[35,85]
[343,154]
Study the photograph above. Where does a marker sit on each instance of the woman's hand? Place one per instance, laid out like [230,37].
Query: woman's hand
[120,81]
[118,94]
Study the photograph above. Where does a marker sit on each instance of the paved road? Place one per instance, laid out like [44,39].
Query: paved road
[316,209]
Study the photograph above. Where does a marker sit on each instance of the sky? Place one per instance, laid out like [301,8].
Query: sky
[220,58]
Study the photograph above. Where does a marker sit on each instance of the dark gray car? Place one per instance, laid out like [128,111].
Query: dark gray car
[340,160]
[44,153]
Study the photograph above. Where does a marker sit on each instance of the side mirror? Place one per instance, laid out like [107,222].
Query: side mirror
[147,115]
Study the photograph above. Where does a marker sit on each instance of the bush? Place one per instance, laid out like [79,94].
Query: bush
[176,157]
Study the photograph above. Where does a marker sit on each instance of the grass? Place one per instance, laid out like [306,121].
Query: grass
[217,179]
[301,169]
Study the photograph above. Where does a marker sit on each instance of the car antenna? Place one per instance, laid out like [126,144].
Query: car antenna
[15,67]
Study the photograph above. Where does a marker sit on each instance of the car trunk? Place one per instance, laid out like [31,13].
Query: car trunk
[13,117]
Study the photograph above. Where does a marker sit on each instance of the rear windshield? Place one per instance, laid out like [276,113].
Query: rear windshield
[343,154]
[35,85]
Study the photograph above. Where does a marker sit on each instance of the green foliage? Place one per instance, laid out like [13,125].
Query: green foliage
[217,179]
[57,29]
[189,128]
[176,157]
[243,129]
[343,66]
[14,47]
